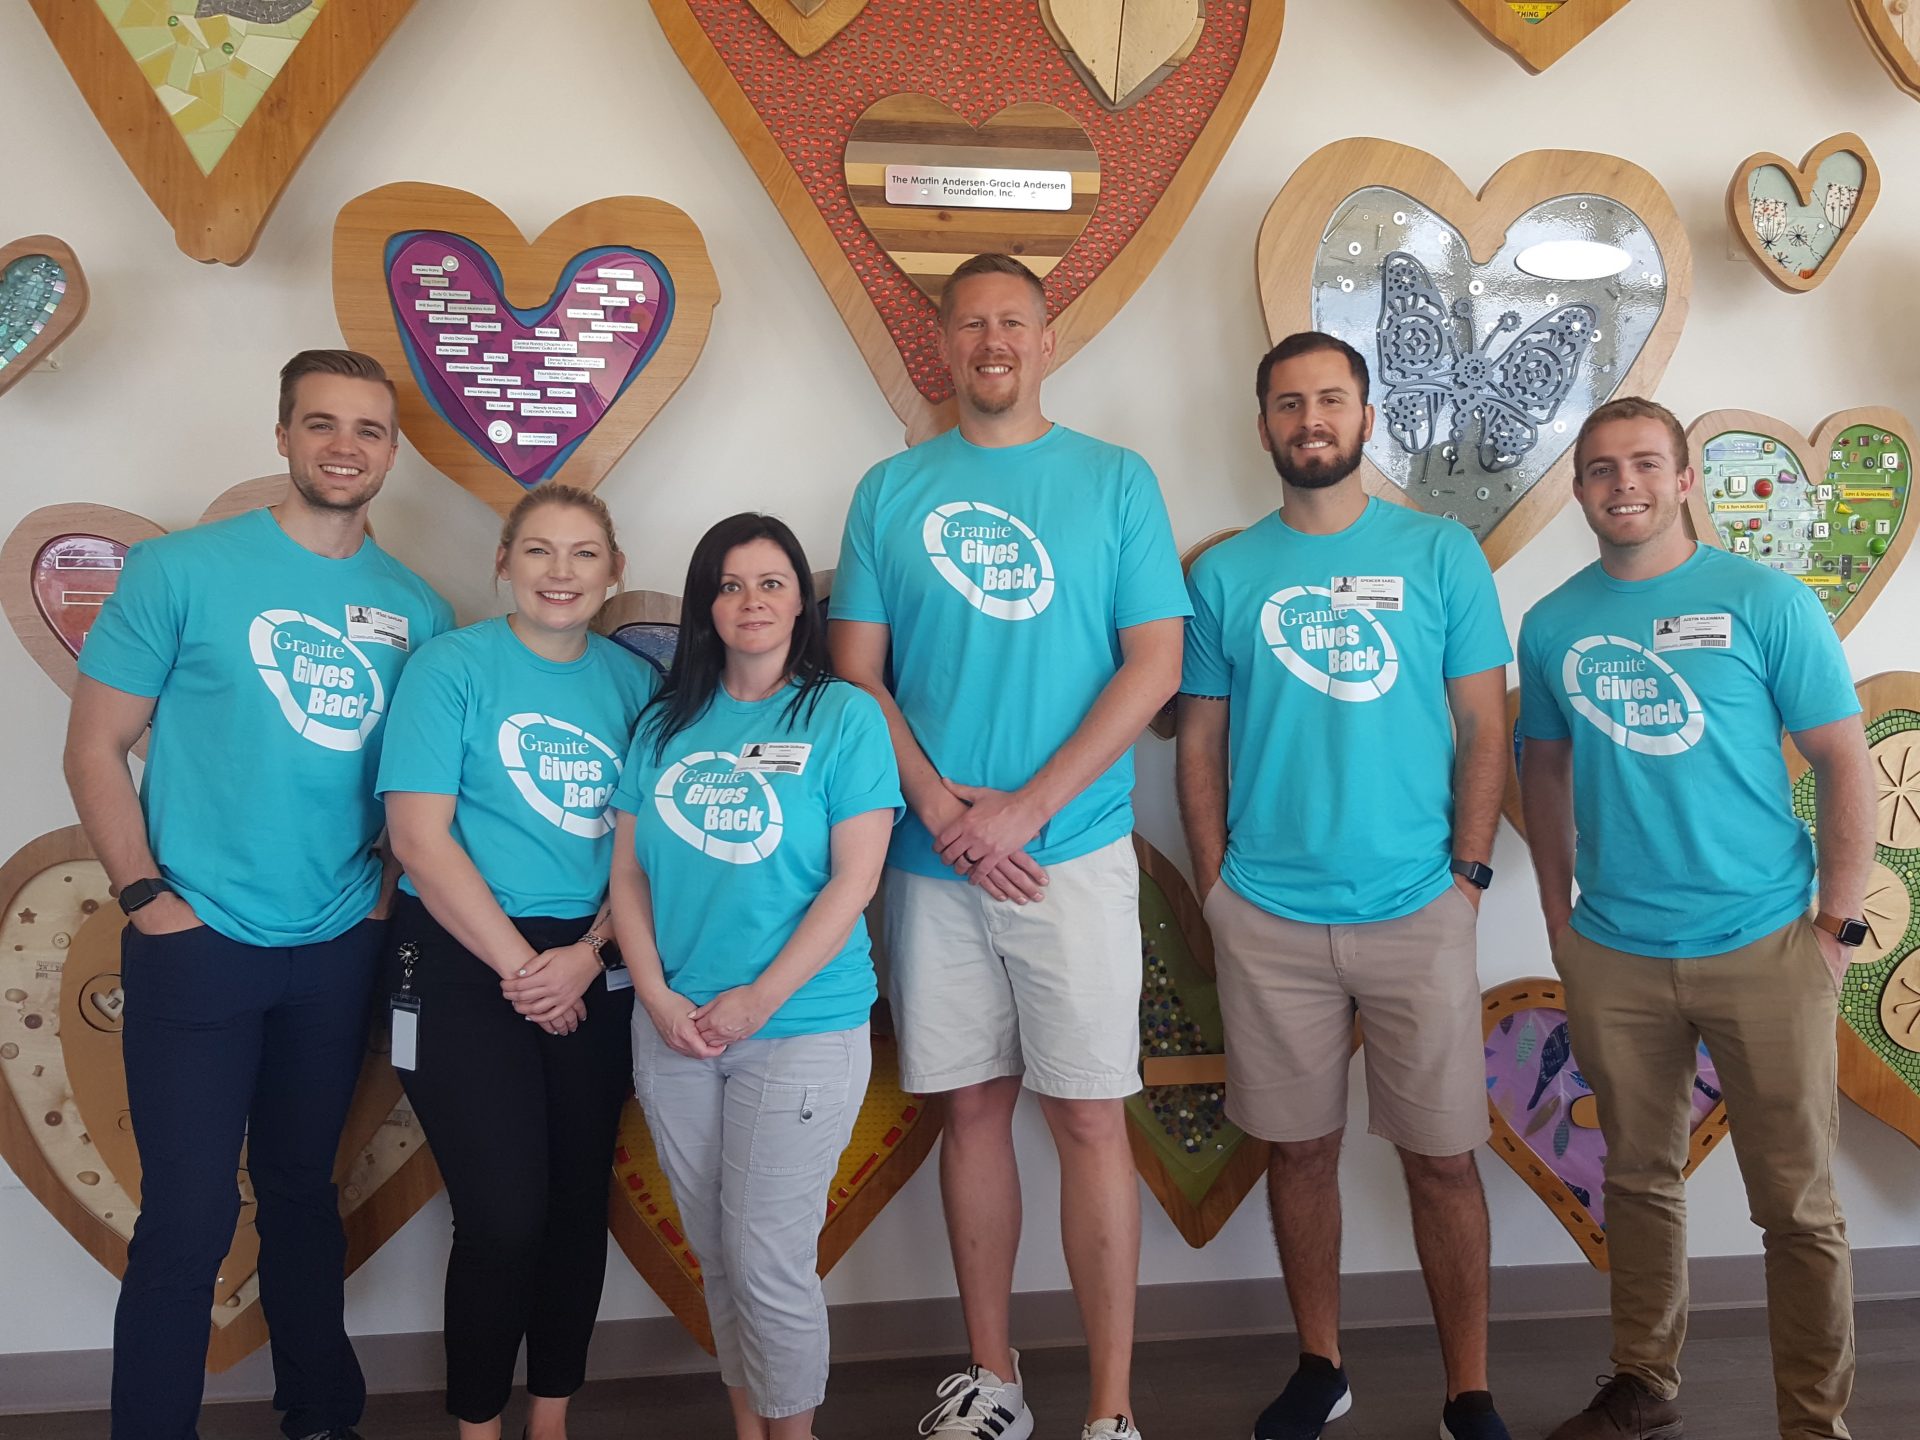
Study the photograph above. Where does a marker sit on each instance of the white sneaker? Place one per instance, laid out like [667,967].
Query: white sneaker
[977,1403]
[1118,1428]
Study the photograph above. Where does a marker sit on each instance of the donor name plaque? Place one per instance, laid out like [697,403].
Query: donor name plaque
[952,185]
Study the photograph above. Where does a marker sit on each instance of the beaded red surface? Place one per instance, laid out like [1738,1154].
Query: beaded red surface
[977,56]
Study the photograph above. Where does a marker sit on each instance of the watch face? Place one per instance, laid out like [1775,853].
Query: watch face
[1853,932]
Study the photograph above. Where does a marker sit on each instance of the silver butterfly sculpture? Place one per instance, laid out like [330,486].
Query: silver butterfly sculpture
[1429,362]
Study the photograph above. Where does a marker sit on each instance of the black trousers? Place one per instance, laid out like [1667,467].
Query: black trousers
[522,1124]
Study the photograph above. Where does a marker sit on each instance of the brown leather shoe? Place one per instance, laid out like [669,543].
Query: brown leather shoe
[1625,1409]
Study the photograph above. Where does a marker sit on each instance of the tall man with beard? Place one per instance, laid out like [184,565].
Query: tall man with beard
[262,650]
[1022,580]
[1340,836]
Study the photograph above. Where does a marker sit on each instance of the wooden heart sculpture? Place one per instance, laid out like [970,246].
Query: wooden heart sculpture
[793,118]
[43,295]
[1198,1164]
[1124,50]
[1798,220]
[1546,1124]
[806,25]
[63,1122]
[517,361]
[213,105]
[1832,510]
[1893,29]
[1880,997]
[1579,258]
[1539,32]
[1166,722]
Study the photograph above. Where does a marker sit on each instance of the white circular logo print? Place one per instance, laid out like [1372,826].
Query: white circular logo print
[991,557]
[326,686]
[1344,654]
[565,773]
[720,812]
[1635,698]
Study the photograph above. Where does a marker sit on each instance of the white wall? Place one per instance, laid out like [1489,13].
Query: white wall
[165,396]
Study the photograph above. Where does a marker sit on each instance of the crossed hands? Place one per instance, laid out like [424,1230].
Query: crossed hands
[984,837]
[547,989]
[704,1031]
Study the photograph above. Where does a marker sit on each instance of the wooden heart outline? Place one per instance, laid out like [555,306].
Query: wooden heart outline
[1865,1078]
[1803,177]
[1804,448]
[529,273]
[1162,58]
[1166,720]
[1537,46]
[1074,324]
[103,1230]
[805,31]
[71,310]
[1537,992]
[220,216]
[1291,234]
[1900,58]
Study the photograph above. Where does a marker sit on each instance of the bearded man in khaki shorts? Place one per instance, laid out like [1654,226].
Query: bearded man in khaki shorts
[1340,845]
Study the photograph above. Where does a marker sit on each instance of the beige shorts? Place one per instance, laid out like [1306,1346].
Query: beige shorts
[1288,995]
[984,988]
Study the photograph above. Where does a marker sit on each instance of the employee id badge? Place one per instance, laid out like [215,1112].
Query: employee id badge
[1693,632]
[618,976]
[405,1012]
[1367,592]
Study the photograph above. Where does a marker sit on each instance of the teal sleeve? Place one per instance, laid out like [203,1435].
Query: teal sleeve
[1476,633]
[865,775]
[425,731]
[1807,671]
[1148,585]
[856,581]
[136,640]
[1203,668]
[1541,717]
[626,795]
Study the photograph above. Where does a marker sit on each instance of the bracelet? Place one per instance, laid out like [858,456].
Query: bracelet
[597,943]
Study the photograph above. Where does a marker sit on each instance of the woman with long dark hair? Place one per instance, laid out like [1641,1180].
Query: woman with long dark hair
[755,809]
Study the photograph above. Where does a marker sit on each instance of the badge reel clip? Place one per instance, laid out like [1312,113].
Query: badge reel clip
[404,1007]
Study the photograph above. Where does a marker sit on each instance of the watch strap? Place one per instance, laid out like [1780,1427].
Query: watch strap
[1474,872]
[142,892]
[1847,930]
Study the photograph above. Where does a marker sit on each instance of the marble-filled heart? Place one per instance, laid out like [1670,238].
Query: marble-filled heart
[524,387]
[31,289]
[1509,361]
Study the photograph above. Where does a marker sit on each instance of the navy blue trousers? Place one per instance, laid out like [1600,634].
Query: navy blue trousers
[226,1043]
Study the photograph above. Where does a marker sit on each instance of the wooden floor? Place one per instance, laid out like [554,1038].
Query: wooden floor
[1207,1390]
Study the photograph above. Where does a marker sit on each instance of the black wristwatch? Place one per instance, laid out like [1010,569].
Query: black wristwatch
[1850,933]
[1474,873]
[143,892]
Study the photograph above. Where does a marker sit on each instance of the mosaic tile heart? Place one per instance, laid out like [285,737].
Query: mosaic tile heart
[1880,996]
[43,295]
[522,361]
[1833,511]
[1798,220]
[1494,324]
[1546,1123]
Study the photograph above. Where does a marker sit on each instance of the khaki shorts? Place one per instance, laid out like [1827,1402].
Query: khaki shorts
[985,988]
[1288,995]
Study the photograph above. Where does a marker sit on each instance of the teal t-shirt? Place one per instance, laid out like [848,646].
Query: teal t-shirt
[732,825]
[1674,692]
[1005,575]
[271,669]
[530,748]
[1340,740]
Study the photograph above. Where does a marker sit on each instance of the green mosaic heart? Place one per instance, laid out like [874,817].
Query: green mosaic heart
[31,289]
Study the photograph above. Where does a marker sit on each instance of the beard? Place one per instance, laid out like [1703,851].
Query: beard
[996,404]
[1319,474]
[319,499]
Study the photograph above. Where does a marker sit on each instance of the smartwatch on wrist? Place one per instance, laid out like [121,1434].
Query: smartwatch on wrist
[1474,873]
[1850,933]
[143,892]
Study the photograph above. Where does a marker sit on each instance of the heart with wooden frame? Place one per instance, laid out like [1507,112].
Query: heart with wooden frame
[1361,206]
[1539,32]
[218,202]
[806,25]
[1893,29]
[1834,510]
[1880,996]
[1546,1124]
[604,315]
[43,295]
[793,118]
[1123,51]
[1798,225]
[64,1128]
[892,1135]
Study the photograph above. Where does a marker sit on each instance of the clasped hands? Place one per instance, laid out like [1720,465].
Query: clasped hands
[547,989]
[703,1031]
[983,839]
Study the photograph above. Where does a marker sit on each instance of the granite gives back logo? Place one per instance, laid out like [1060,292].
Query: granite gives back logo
[991,557]
[324,683]
[1344,654]
[706,800]
[565,773]
[1635,698]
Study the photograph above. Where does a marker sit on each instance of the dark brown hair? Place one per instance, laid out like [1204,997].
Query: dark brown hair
[1633,407]
[349,363]
[1309,342]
